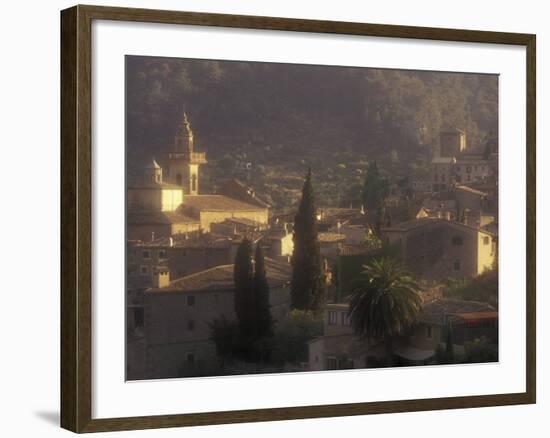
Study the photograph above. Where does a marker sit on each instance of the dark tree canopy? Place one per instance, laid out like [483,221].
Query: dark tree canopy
[307,292]
[264,319]
[245,304]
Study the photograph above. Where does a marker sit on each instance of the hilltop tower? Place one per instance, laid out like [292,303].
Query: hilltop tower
[184,162]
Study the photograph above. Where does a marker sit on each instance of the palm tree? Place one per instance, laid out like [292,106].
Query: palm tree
[385,302]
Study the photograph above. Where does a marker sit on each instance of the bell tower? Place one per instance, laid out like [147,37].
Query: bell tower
[184,162]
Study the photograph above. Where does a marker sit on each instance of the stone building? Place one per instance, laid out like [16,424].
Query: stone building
[436,249]
[177,318]
[339,348]
[165,205]
[209,209]
[469,320]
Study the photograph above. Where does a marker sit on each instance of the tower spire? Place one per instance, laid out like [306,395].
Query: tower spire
[184,136]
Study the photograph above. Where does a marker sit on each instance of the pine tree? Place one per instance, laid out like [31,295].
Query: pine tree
[243,275]
[306,288]
[264,321]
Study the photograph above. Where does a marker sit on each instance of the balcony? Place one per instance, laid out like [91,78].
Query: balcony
[192,158]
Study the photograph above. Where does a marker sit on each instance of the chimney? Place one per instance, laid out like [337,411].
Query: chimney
[161,277]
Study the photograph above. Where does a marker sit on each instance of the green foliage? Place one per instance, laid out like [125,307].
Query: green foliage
[482,288]
[252,307]
[446,355]
[225,335]
[375,188]
[293,333]
[307,292]
[282,114]
[480,350]
[264,320]
[243,275]
[385,302]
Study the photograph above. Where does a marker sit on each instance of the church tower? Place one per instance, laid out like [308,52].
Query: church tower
[153,172]
[184,162]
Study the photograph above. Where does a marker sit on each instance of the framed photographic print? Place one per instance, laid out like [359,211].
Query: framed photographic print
[268,218]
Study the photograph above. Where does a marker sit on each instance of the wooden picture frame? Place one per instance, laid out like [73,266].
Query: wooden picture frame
[76,218]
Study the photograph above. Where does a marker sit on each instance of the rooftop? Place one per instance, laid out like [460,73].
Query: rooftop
[158,217]
[217,203]
[191,240]
[331,237]
[471,190]
[152,185]
[220,278]
[434,311]
[428,221]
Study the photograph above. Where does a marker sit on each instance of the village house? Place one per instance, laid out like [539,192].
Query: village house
[436,249]
[468,320]
[338,347]
[177,315]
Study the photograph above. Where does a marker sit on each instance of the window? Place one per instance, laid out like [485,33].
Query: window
[146,254]
[457,241]
[458,169]
[190,358]
[191,300]
[191,325]
[162,254]
[469,169]
[332,317]
[486,240]
[332,363]
[429,332]
[345,320]
[456,265]
[468,178]
[144,270]
[442,177]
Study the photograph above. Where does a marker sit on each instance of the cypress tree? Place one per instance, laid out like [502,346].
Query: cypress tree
[449,348]
[306,289]
[243,275]
[264,320]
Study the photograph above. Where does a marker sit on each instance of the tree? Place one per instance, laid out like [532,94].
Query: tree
[375,190]
[385,302]
[264,320]
[449,347]
[306,288]
[243,275]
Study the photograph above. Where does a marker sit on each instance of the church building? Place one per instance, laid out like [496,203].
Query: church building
[163,205]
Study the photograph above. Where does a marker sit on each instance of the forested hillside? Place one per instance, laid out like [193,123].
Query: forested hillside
[281,118]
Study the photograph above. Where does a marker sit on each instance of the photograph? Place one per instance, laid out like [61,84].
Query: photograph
[285,218]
